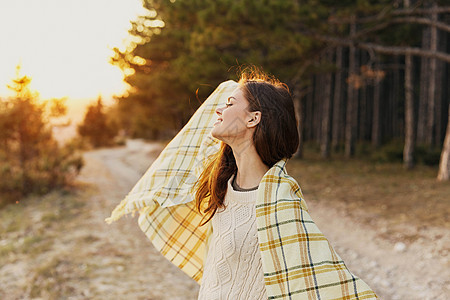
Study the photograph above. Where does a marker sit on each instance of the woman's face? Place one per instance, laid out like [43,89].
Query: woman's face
[233,119]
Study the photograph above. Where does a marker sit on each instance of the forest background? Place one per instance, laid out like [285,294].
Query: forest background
[369,79]
[365,75]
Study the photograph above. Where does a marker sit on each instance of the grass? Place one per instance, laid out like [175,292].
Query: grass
[31,232]
[49,278]
[7,249]
[27,226]
[376,192]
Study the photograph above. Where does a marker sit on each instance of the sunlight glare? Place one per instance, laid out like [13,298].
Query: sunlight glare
[64,46]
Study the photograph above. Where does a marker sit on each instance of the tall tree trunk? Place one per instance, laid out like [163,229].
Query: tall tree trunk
[408,151]
[387,107]
[365,116]
[316,110]
[441,83]
[376,130]
[300,115]
[318,104]
[432,82]
[362,119]
[326,112]
[352,100]
[423,101]
[309,118]
[395,124]
[337,100]
[447,73]
[444,163]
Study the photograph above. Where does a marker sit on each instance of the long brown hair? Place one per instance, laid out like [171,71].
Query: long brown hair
[275,138]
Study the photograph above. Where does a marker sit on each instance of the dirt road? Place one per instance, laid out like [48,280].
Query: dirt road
[396,270]
[59,247]
[130,267]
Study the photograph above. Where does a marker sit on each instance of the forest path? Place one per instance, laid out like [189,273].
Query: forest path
[395,270]
[137,270]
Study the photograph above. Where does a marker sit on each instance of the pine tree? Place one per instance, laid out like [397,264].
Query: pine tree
[31,161]
[96,127]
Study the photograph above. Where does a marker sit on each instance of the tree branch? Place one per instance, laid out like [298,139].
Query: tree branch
[421,11]
[425,21]
[383,15]
[392,50]
[439,25]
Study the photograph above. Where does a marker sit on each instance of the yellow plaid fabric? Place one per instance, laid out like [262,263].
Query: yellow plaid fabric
[298,261]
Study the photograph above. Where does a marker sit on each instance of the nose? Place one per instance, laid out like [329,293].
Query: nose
[219,110]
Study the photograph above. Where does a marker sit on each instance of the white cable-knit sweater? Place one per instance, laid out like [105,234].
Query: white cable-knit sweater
[233,267]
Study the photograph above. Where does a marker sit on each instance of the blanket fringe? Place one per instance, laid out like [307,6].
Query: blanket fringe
[118,212]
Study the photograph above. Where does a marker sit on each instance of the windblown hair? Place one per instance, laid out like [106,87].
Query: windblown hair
[275,138]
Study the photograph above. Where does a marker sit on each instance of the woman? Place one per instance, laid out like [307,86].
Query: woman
[248,234]
[257,128]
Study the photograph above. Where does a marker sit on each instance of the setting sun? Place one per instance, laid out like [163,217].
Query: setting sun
[64,46]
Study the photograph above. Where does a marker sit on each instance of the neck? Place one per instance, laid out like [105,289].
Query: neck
[250,168]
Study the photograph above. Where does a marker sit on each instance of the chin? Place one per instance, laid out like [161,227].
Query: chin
[215,134]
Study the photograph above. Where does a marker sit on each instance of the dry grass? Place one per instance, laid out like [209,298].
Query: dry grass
[31,234]
[385,193]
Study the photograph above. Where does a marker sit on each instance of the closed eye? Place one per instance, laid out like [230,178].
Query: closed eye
[228,104]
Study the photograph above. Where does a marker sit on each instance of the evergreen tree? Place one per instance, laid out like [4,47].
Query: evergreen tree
[31,161]
[96,127]
[187,48]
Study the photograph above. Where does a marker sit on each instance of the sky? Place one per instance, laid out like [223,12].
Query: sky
[65,45]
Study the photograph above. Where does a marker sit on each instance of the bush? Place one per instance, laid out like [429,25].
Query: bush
[391,152]
[363,149]
[96,128]
[31,161]
[427,156]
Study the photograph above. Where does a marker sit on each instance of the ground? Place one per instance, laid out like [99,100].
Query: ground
[59,247]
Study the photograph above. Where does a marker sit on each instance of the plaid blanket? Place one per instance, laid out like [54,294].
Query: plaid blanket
[297,259]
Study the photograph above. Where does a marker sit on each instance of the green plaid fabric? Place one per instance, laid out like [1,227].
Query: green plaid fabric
[297,259]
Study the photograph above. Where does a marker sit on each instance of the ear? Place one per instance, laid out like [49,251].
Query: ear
[254,118]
